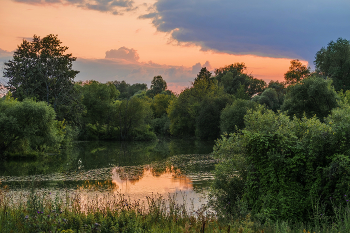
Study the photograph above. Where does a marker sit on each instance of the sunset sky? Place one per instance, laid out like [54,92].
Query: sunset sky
[135,40]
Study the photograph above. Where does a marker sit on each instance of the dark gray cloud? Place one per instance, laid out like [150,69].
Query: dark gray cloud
[294,29]
[113,6]
[123,53]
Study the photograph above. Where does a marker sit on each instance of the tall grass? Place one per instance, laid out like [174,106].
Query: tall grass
[39,211]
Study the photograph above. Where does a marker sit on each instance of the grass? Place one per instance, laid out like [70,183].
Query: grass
[44,212]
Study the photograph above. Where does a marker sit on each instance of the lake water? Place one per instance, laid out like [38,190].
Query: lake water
[135,170]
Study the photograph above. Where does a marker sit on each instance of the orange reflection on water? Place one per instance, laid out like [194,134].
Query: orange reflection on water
[150,182]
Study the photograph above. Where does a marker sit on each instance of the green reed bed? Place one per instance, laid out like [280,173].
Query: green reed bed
[39,211]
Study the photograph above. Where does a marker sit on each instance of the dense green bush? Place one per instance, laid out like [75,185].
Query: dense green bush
[281,168]
[28,126]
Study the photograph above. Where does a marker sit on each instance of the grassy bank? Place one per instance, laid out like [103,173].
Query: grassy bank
[43,212]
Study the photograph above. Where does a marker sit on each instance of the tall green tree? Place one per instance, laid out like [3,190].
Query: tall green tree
[42,70]
[334,62]
[208,117]
[234,81]
[313,96]
[184,110]
[158,85]
[297,72]
[133,118]
[98,98]
[203,74]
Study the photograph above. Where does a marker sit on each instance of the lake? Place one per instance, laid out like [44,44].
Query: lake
[97,170]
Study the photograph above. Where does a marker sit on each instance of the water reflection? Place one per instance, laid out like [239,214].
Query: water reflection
[139,184]
[150,182]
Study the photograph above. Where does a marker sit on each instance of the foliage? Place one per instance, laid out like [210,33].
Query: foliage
[161,125]
[98,98]
[133,119]
[208,118]
[203,74]
[297,72]
[334,62]
[270,98]
[232,116]
[285,167]
[312,96]
[233,79]
[235,69]
[158,85]
[160,104]
[40,70]
[184,110]
[126,90]
[28,126]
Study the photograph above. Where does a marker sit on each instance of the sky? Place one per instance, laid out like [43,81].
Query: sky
[135,40]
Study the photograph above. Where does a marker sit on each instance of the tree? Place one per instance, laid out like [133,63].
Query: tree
[232,115]
[235,69]
[184,110]
[297,72]
[133,119]
[312,96]
[98,99]
[203,74]
[126,90]
[160,104]
[208,117]
[334,62]
[40,69]
[158,85]
[234,81]
[270,98]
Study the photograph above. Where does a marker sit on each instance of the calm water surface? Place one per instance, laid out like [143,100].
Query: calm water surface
[182,168]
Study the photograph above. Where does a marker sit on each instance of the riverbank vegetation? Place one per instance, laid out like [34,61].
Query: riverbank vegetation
[46,212]
[282,146]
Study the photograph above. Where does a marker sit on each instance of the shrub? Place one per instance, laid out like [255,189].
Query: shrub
[281,167]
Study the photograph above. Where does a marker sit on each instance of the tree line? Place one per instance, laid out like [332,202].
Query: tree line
[41,71]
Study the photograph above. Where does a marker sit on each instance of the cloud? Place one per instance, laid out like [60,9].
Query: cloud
[123,53]
[207,65]
[196,68]
[292,29]
[103,70]
[112,6]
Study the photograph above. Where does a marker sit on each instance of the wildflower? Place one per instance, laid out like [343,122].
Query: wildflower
[96,224]
[26,217]
[347,200]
